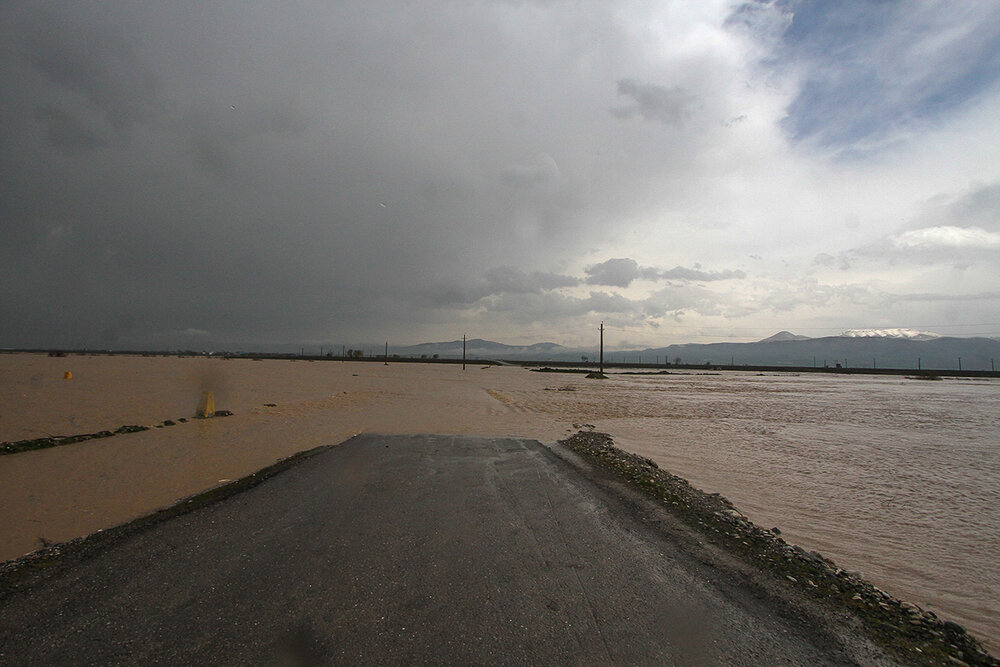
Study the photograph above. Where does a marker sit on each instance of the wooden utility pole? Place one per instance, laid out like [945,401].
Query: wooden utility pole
[602,348]
[463,352]
[386,353]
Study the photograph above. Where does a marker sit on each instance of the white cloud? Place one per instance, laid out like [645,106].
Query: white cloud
[947,237]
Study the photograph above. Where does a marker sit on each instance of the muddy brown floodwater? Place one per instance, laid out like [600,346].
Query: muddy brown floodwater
[896,478]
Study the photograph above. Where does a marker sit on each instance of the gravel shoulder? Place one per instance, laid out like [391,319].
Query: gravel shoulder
[834,598]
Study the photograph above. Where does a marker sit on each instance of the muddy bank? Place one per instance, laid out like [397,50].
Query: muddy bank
[915,635]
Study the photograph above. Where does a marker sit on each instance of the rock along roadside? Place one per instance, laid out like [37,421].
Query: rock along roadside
[905,630]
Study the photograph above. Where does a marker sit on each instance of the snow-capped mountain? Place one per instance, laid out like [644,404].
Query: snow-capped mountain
[908,334]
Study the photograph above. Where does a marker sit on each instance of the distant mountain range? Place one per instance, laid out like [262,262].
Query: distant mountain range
[852,349]
[482,349]
[909,334]
[879,348]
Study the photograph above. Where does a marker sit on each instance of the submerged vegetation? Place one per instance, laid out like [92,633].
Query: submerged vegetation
[19,446]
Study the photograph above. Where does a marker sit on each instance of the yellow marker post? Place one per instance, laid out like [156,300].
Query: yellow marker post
[207,407]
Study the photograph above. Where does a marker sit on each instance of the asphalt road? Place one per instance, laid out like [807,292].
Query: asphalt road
[424,549]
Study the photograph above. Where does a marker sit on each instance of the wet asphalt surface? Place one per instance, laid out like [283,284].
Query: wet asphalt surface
[403,550]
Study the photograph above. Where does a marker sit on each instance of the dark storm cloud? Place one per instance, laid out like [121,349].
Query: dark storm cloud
[96,62]
[314,171]
[543,171]
[620,272]
[249,171]
[617,272]
[671,106]
[536,308]
[496,281]
[67,133]
[507,279]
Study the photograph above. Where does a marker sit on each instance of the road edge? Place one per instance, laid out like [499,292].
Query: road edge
[904,630]
[23,571]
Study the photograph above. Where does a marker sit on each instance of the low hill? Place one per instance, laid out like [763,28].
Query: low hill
[782,336]
[943,353]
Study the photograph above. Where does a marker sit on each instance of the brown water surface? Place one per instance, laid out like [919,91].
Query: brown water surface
[897,478]
[893,477]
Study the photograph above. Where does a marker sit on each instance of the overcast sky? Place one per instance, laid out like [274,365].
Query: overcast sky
[178,174]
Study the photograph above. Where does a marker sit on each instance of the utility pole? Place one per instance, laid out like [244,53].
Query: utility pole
[463,352]
[960,363]
[386,353]
[602,348]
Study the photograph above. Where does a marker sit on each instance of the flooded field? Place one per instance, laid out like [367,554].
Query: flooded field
[896,478]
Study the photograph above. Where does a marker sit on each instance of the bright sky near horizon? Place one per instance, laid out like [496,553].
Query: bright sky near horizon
[190,174]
